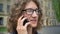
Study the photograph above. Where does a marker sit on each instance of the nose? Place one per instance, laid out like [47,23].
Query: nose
[34,14]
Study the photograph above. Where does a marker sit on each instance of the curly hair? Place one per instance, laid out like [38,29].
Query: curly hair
[16,12]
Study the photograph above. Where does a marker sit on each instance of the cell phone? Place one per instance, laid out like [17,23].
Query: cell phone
[25,21]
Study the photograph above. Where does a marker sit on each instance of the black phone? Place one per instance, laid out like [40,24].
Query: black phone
[25,21]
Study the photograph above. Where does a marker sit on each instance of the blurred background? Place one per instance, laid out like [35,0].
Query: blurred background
[51,15]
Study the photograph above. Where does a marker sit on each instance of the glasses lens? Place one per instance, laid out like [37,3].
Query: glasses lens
[38,11]
[29,11]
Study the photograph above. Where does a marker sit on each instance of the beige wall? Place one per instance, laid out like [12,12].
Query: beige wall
[4,14]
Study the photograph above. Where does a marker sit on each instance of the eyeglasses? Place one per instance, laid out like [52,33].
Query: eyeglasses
[31,11]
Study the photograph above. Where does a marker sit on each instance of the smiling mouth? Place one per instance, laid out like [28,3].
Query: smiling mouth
[34,20]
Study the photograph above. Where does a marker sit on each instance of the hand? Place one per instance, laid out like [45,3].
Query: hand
[20,28]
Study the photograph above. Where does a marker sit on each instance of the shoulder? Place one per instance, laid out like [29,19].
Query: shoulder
[12,33]
[38,32]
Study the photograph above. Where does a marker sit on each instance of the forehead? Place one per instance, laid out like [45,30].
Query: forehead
[31,4]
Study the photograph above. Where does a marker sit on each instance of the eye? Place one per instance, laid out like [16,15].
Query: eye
[29,11]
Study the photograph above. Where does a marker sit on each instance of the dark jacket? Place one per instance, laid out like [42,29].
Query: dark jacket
[16,33]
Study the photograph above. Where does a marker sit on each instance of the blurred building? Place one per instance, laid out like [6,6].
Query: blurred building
[4,9]
[49,17]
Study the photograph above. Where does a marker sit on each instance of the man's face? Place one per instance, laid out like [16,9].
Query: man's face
[31,13]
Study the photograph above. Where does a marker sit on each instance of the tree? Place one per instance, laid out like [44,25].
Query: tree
[56,7]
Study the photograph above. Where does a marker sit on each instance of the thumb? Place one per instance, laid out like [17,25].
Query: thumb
[27,24]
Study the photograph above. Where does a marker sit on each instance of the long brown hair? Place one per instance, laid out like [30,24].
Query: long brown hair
[16,12]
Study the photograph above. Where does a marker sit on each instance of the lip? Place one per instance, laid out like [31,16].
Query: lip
[34,20]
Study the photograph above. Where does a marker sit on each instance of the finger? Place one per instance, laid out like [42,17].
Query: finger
[20,17]
[27,24]
[19,20]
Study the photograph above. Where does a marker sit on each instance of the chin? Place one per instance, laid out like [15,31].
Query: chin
[34,25]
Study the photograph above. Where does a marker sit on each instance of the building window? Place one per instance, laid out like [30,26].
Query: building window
[1,7]
[8,8]
[47,13]
[53,21]
[1,21]
[49,5]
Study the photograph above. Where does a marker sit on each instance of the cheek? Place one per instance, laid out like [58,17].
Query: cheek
[28,16]
[33,24]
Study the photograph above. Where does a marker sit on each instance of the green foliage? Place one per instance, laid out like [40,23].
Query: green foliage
[3,29]
[56,7]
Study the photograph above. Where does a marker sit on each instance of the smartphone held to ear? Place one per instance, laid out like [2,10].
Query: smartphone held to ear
[25,21]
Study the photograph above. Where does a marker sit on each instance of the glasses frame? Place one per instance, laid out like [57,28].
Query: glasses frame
[38,11]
